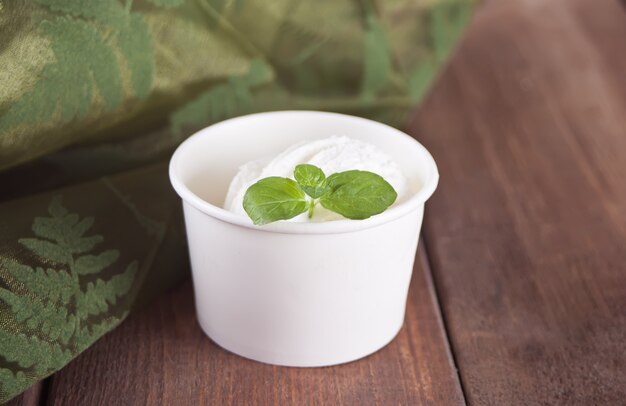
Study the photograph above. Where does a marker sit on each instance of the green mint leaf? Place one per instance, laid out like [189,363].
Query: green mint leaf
[274,198]
[358,195]
[311,179]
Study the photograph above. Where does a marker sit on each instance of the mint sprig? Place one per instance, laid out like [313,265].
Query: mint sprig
[311,179]
[356,195]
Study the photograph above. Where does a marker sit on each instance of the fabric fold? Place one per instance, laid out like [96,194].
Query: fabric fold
[75,261]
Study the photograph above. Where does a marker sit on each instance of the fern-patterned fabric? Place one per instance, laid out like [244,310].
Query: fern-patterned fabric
[96,94]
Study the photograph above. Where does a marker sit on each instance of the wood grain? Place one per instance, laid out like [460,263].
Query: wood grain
[31,397]
[527,231]
[160,356]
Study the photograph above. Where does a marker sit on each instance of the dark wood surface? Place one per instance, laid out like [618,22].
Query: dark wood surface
[160,356]
[527,231]
[526,241]
[31,397]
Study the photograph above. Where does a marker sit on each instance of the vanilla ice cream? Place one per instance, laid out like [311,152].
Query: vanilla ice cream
[333,154]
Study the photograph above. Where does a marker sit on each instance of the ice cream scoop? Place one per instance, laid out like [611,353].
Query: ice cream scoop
[333,154]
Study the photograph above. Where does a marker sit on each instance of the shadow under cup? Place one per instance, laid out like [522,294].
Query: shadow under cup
[297,294]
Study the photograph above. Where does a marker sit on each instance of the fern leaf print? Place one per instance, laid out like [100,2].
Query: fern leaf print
[84,41]
[376,57]
[223,100]
[62,309]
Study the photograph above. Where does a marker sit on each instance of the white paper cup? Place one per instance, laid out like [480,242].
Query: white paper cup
[297,294]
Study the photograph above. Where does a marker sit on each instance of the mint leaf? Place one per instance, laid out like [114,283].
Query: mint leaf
[358,195]
[274,198]
[354,194]
[311,179]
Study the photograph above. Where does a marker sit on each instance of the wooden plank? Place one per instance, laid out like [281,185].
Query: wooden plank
[160,356]
[31,397]
[527,231]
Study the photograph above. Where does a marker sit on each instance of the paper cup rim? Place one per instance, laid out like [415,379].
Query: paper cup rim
[418,198]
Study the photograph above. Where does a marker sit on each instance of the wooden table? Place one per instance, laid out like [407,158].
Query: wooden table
[519,292]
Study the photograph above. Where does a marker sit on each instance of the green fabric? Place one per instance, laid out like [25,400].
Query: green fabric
[95,95]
